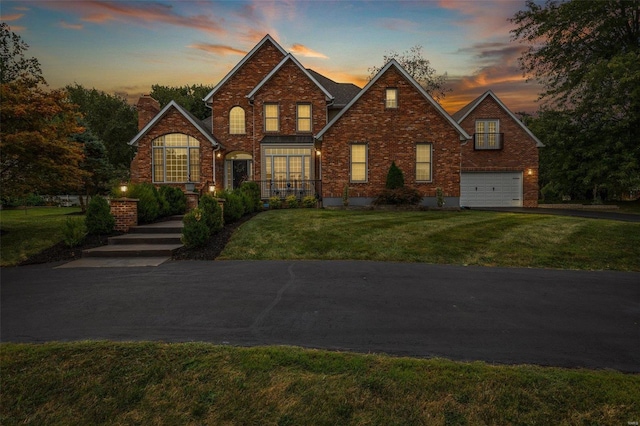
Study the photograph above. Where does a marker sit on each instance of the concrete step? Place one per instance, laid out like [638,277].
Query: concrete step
[167,227]
[132,250]
[144,238]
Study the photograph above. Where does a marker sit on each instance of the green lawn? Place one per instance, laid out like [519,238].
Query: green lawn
[27,232]
[194,383]
[454,237]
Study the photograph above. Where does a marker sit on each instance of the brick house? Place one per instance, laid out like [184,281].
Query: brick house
[500,162]
[296,132]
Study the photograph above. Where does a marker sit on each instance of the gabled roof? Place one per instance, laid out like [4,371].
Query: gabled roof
[197,123]
[207,99]
[464,112]
[342,92]
[393,63]
[277,68]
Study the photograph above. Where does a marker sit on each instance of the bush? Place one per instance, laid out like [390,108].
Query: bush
[395,178]
[195,232]
[148,204]
[74,231]
[233,207]
[275,202]
[211,213]
[99,219]
[292,202]
[176,200]
[252,190]
[399,196]
[309,202]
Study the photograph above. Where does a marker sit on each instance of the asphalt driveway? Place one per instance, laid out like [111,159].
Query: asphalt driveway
[498,315]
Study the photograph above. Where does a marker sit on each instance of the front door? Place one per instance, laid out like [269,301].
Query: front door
[240,172]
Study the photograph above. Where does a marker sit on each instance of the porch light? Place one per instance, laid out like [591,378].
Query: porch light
[123,189]
[318,152]
[212,188]
[529,172]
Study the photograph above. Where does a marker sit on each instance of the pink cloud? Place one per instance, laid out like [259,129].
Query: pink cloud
[302,50]
[217,49]
[69,26]
[13,17]
[488,18]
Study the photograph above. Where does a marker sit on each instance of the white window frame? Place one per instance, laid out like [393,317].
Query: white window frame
[391,102]
[430,162]
[237,124]
[308,119]
[484,140]
[269,120]
[352,162]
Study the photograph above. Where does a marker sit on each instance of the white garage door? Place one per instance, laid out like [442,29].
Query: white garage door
[483,189]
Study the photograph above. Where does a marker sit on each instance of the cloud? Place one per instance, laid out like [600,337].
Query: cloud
[488,18]
[302,50]
[13,17]
[217,49]
[69,26]
[137,13]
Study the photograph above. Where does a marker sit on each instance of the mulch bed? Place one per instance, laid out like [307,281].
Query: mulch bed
[60,252]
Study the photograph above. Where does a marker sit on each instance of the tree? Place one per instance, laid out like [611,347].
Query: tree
[37,152]
[419,68]
[587,56]
[189,97]
[13,64]
[100,172]
[111,120]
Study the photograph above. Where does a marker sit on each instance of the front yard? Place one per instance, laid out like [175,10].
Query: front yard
[453,237]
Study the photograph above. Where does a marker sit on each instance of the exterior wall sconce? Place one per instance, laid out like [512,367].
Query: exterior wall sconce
[318,152]
[529,172]
[218,155]
[212,189]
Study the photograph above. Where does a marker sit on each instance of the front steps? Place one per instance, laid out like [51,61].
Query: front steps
[159,239]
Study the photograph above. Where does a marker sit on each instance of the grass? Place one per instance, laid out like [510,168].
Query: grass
[27,232]
[194,383]
[454,237]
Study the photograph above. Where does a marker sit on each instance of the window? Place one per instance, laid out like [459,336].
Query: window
[423,162]
[176,158]
[358,162]
[271,119]
[303,112]
[236,121]
[391,98]
[487,135]
[287,171]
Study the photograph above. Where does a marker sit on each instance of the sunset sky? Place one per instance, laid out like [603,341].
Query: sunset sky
[124,47]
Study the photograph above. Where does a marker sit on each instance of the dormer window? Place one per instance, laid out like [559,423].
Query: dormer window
[487,135]
[391,98]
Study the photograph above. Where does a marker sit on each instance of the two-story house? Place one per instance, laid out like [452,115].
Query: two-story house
[297,132]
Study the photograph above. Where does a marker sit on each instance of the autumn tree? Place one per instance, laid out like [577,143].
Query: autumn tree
[418,67]
[111,120]
[586,54]
[189,97]
[36,153]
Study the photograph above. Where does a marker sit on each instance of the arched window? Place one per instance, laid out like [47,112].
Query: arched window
[176,158]
[236,121]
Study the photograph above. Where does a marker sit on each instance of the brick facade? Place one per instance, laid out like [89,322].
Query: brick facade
[391,135]
[519,152]
[125,212]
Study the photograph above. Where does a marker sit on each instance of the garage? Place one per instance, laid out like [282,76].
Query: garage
[491,189]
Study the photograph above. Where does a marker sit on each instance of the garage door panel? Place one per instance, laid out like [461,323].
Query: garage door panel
[484,189]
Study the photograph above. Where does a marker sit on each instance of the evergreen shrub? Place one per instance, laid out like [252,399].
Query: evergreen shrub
[233,207]
[292,202]
[252,190]
[99,219]
[275,202]
[211,213]
[395,177]
[195,232]
[149,207]
[74,231]
[398,196]
[309,202]
[176,200]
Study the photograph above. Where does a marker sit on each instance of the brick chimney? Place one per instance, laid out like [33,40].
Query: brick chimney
[147,109]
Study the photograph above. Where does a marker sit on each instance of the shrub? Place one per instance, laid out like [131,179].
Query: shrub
[395,177]
[148,204]
[99,219]
[175,198]
[399,196]
[440,197]
[252,189]
[248,203]
[233,207]
[275,202]
[73,231]
[292,202]
[345,195]
[309,202]
[195,232]
[211,213]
